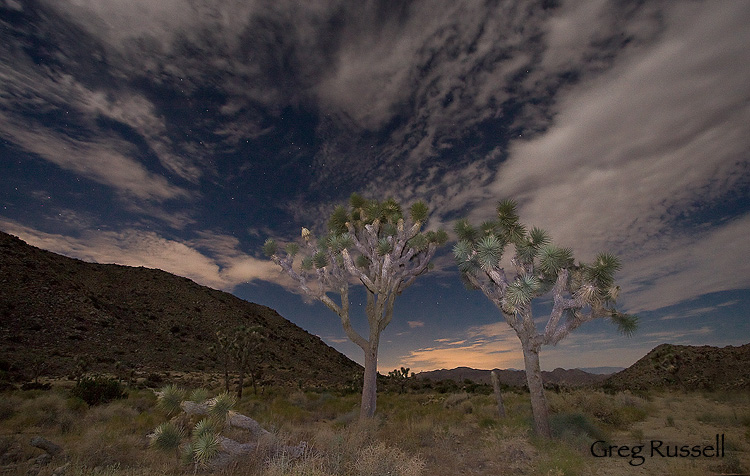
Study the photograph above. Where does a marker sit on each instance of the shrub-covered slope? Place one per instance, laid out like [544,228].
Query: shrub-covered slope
[54,309]
[687,367]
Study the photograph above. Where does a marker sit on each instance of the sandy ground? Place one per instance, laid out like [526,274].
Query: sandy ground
[683,420]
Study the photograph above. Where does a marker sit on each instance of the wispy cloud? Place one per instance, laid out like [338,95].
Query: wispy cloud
[82,145]
[221,266]
[103,160]
[678,336]
[636,148]
[484,347]
[497,346]
[415,324]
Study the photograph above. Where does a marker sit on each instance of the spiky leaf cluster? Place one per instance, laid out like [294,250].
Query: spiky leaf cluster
[626,324]
[167,437]
[170,398]
[199,395]
[368,230]
[206,448]
[384,246]
[205,426]
[553,259]
[489,251]
[270,247]
[419,212]
[221,405]
[602,271]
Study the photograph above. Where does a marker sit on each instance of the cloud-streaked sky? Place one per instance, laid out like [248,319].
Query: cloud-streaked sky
[180,134]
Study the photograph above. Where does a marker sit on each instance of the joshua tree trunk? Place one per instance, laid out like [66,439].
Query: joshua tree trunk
[240,383]
[370,385]
[498,394]
[539,406]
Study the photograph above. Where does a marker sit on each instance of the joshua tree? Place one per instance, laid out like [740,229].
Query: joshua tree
[221,350]
[401,376]
[243,346]
[375,245]
[247,352]
[580,292]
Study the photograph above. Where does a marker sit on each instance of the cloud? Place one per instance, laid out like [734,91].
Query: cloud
[224,267]
[697,264]
[679,336]
[415,324]
[484,347]
[77,141]
[137,112]
[103,160]
[634,149]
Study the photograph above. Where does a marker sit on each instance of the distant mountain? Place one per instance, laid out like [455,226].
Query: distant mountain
[687,367]
[54,309]
[515,378]
[601,370]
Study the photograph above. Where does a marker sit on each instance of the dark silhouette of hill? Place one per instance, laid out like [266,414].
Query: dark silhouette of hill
[687,367]
[515,378]
[54,309]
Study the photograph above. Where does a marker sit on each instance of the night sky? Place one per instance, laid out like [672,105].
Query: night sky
[180,134]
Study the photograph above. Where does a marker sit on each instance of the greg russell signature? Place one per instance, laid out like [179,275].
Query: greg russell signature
[637,454]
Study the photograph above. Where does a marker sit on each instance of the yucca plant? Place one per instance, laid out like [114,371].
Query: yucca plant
[170,398]
[199,395]
[205,425]
[580,292]
[220,406]
[205,448]
[167,437]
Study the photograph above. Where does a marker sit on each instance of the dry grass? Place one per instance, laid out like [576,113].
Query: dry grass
[412,434]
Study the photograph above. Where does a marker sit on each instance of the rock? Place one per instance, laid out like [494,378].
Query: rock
[44,444]
[61,470]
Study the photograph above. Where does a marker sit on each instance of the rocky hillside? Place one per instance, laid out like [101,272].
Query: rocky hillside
[515,378]
[687,367]
[54,309]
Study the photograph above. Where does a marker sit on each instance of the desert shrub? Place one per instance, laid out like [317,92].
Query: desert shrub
[615,410]
[98,390]
[46,410]
[566,425]
[154,380]
[381,460]
[455,400]
[445,386]
[101,447]
[8,406]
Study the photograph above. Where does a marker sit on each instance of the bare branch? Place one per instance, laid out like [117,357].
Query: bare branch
[358,273]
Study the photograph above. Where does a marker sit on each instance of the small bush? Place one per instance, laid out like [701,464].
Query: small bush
[567,425]
[98,390]
[380,459]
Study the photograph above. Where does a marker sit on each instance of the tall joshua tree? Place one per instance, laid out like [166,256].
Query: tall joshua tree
[372,244]
[580,292]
